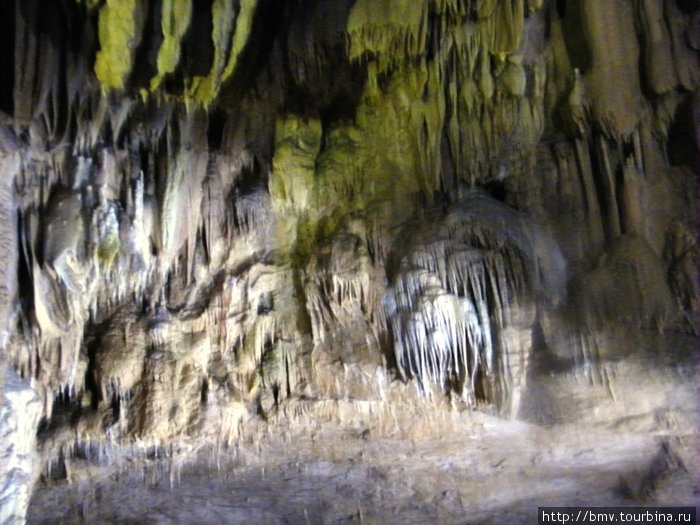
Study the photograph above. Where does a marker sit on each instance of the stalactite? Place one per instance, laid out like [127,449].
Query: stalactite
[230,32]
[390,31]
[505,25]
[241,33]
[658,70]
[180,209]
[175,20]
[120,26]
[617,110]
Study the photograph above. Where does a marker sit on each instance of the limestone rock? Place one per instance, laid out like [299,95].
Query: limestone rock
[20,411]
[235,221]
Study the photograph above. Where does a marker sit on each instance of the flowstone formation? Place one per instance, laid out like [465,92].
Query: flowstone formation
[464,301]
[213,213]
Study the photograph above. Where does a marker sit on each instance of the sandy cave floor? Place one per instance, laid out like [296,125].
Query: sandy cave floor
[632,440]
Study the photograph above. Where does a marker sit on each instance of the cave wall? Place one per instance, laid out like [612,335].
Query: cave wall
[211,209]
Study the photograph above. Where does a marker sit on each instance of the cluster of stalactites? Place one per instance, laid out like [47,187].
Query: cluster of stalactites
[391,32]
[484,78]
[130,222]
[460,79]
[122,31]
[341,287]
[455,309]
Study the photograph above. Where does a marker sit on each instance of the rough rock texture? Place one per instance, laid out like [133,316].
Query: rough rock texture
[19,415]
[215,213]
[423,462]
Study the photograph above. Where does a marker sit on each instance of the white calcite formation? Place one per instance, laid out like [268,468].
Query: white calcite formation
[462,307]
[20,410]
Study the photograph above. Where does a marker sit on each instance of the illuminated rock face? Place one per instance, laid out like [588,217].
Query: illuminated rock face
[213,210]
[19,415]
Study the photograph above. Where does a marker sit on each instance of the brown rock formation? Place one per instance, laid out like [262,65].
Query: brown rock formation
[218,214]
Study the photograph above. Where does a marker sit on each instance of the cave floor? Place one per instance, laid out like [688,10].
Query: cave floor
[499,472]
[630,440]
